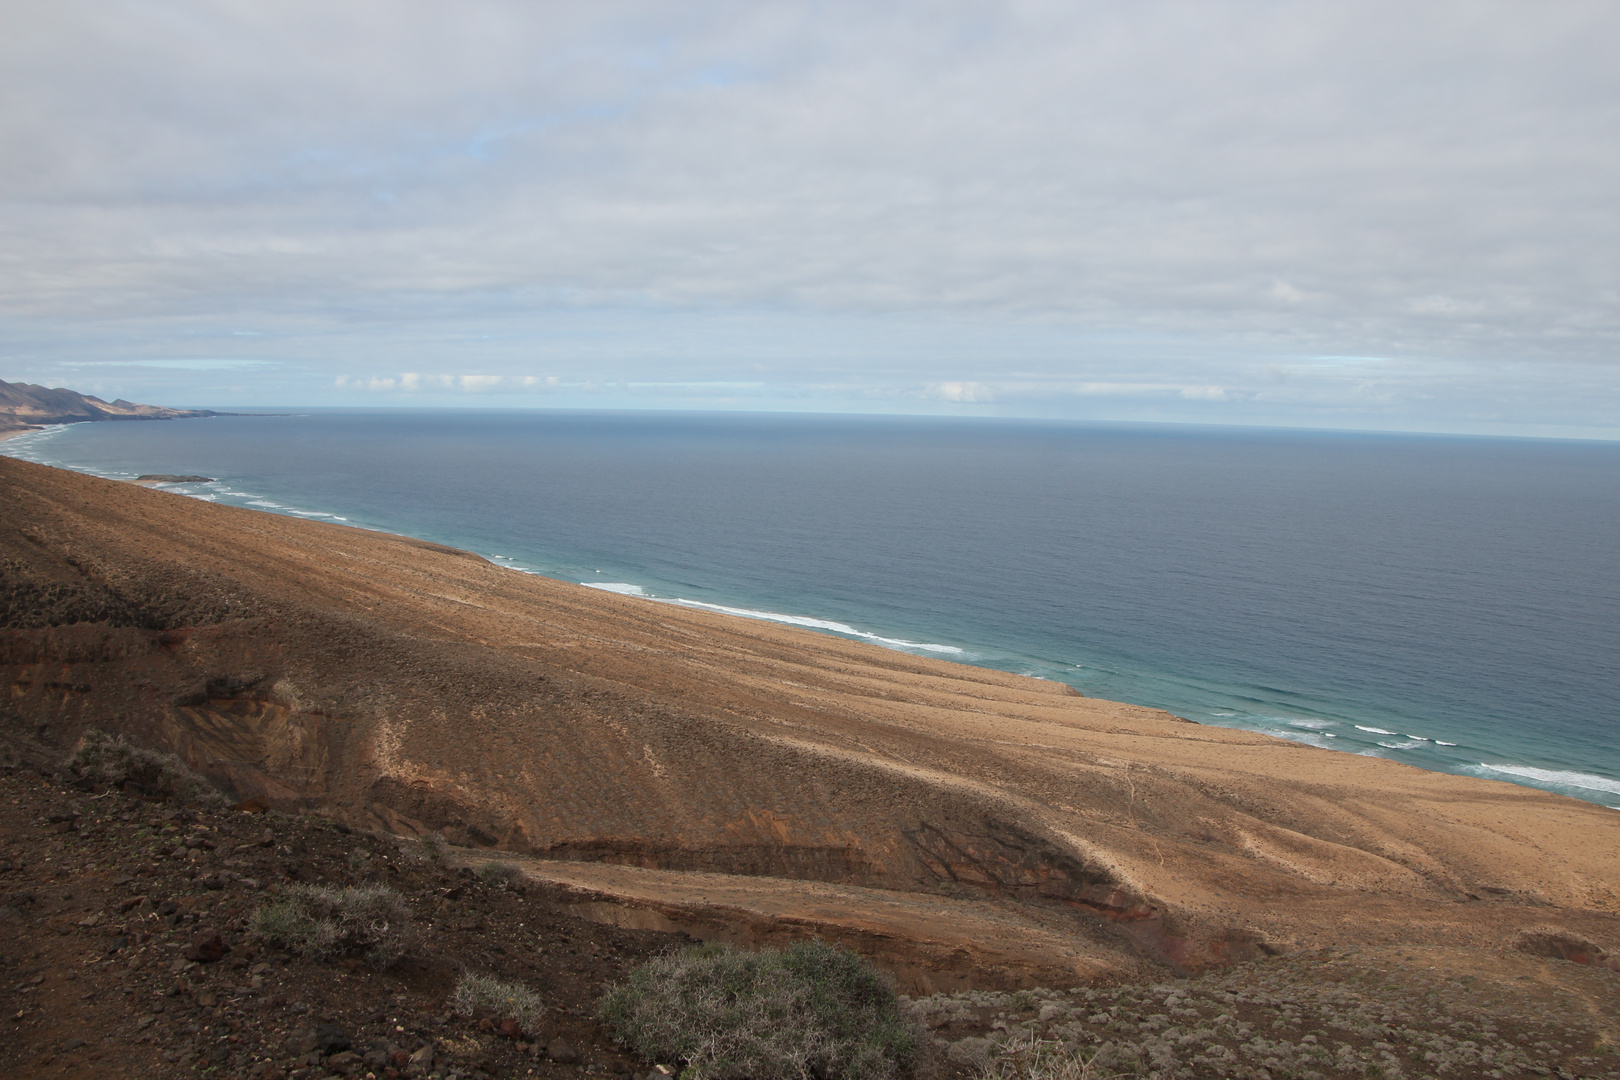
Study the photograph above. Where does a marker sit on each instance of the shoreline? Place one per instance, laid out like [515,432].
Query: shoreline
[403,686]
[1349,734]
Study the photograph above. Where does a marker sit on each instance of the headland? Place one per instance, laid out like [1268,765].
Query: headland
[28,407]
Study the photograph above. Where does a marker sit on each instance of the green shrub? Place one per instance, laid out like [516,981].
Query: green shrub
[483,995]
[499,873]
[319,923]
[105,759]
[815,1010]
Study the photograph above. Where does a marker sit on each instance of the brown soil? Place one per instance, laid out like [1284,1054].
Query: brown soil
[99,907]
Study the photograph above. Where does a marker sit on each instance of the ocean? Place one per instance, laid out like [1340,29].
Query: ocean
[1452,603]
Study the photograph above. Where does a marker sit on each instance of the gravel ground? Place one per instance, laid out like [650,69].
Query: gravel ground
[108,905]
[126,951]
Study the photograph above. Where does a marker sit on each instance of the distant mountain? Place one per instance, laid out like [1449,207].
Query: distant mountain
[26,405]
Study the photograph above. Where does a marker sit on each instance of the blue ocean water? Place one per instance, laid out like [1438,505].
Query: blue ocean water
[1453,603]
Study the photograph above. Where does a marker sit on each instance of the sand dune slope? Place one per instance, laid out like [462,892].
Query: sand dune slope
[403,685]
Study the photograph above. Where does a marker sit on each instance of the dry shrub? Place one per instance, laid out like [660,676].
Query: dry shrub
[432,845]
[108,760]
[321,923]
[500,873]
[1027,1056]
[481,996]
[814,1010]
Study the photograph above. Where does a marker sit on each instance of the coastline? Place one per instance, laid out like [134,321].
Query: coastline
[406,686]
[1432,745]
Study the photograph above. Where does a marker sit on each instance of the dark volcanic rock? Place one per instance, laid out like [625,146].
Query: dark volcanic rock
[207,947]
[331,1039]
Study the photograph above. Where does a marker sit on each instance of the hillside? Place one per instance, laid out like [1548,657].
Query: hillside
[678,770]
[25,405]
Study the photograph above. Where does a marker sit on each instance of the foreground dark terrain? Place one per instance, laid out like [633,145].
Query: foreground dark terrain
[102,906]
[126,952]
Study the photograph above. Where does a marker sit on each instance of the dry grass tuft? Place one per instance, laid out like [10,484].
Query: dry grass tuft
[814,1010]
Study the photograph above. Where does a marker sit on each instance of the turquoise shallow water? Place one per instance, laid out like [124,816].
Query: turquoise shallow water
[1452,603]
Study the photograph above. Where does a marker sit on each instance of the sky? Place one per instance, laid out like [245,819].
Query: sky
[1356,215]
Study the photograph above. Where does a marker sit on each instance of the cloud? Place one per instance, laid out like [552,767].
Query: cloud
[1168,194]
[189,364]
[960,391]
[415,381]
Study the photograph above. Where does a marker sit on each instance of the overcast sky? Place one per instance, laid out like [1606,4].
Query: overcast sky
[1361,214]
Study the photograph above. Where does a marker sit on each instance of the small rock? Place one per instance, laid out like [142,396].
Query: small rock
[346,1062]
[207,947]
[331,1039]
[423,1058]
[562,1053]
[72,1044]
[511,1029]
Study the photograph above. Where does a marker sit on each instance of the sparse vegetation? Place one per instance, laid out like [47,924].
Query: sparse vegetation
[1027,1056]
[106,760]
[322,923]
[495,872]
[433,848]
[480,996]
[1310,1016]
[813,1010]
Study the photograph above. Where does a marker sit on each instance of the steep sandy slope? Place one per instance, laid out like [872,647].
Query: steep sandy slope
[399,684]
